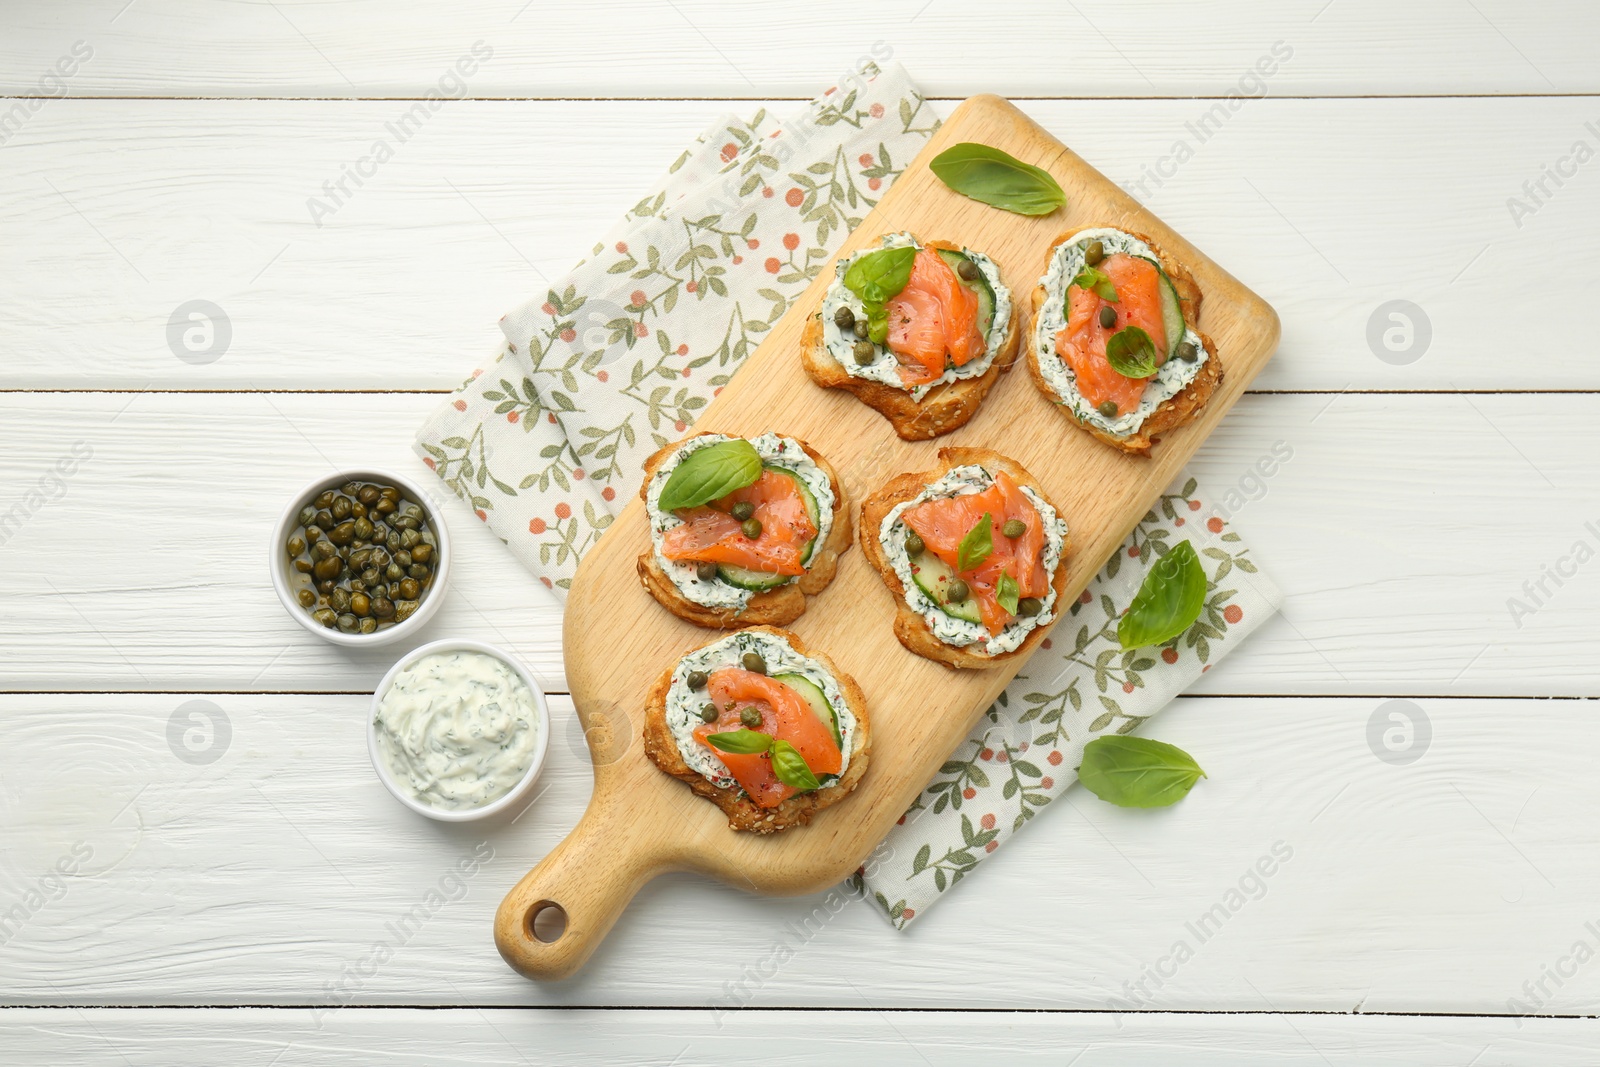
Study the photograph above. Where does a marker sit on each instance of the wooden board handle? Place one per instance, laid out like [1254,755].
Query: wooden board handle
[588,879]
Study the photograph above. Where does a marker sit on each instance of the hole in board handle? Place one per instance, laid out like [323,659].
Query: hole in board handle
[547,921]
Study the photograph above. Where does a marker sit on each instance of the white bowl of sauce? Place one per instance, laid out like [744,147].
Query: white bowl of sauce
[458,731]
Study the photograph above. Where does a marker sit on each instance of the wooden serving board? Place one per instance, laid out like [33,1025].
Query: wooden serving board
[640,822]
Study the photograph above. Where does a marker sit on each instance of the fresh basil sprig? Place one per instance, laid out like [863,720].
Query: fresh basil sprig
[998,179]
[1136,772]
[976,545]
[741,742]
[1131,353]
[788,764]
[791,768]
[710,473]
[878,276]
[1099,282]
[1006,592]
[877,323]
[1169,600]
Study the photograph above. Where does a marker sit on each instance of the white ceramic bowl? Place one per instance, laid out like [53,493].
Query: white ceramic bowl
[284,578]
[519,792]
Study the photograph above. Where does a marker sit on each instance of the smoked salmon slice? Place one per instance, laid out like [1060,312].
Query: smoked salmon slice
[942,524]
[1083,343]
[934,316]
[784,715]
[710,534]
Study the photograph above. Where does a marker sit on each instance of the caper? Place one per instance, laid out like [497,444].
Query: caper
[389,492]
[340,508]
[384,506]
[422,553]
[325,499]
[326,617]
[303,566]
[705,571]
[358,559]
[968,270]
[1030,605]
[328,568]
[367,494]
[861,329]
[307,516]
[1108,408]
[339,600]
[1094,253]
[364,529]
[742,510]
[865,352]
[360,603]
[1188,352]
[404,522]
[379,589]
[409,588]
[408,539]
[697,679]
[404,609]
[404,558]
[394,572]
[306,598]
[751,528]
[754,663]
[358,510]
[1108,316]
[314,532]
[367,626]
[325,519]
[383,607]
[418,571]
[392,540]
[343,533]
[957,593]
[708,713]
[352,487]
[323,550]
[348,623]
[357,585]
[914,544]
[750,718]
[296,546]
[844,318]
[325,586]
[1014,528]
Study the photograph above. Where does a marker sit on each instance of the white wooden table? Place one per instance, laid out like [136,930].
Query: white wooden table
[1428,904]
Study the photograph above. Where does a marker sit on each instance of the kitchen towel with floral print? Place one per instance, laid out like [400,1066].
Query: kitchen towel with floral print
[618,357]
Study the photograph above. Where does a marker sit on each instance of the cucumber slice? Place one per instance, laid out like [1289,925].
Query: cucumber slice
[979,285]
[933,576]
[810,503]
[1171,310]
[757,581]
[811,693]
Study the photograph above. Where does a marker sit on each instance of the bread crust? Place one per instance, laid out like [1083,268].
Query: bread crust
[743,813]
[945,408]
[774,607]
[909,626]
[1173,412]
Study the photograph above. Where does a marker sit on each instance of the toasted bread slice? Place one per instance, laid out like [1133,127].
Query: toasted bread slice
[909,626]
[1176,410]
[743,813]
[944,408]
[772,607]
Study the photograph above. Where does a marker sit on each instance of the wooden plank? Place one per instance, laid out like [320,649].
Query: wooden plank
[275,873]
[175,1036]
[639,824]
[401,287]
[704,48]
[1391,546]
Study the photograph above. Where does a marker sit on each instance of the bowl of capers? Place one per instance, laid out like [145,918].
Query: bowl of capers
[357,559]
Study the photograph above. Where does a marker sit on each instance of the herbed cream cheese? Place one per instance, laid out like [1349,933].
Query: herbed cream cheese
[1174,375]
[684,704]
[775,451]
[457,729]
[964,481]
[884,367]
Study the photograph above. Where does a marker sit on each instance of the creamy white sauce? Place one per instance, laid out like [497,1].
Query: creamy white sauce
[1174,375]
[684,704]
[964,481]
[775,451]
[884,367]
[457,729]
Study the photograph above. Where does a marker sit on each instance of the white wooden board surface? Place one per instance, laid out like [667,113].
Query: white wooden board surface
[1421,496]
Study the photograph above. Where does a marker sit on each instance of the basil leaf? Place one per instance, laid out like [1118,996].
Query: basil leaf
[741,742]
[1099,281]
[877,323]
[1131,353]
[791,768]
[1136,772]
[976,545]
[1006,592]
[877,276]
[1168,601]
[710,473]
[993,177]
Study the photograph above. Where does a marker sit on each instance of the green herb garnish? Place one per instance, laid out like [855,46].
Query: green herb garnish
[741,742]
[878,276]
[1131,353]
[1136,772]
[710,473]
[998,179]
[791,768]
[976,545]
[1006,592]
[1098,282]
[1168,602]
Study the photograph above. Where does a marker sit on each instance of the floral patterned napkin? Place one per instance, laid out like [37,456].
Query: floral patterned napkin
[618,357]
